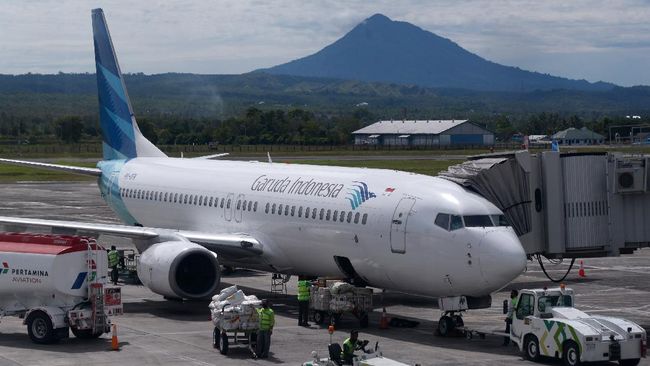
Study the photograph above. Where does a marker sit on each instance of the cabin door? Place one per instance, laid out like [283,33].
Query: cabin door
[398,225]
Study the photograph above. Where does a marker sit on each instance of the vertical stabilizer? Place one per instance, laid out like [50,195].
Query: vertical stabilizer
[122,137]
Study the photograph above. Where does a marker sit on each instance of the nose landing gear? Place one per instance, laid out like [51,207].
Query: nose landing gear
[449,322]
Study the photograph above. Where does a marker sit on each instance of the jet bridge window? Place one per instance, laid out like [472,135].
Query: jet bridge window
[478,221]
[455,223]
[442,220]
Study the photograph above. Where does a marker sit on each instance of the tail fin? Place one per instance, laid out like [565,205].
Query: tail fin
[122,137]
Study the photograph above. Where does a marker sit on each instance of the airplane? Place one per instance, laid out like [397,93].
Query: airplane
[382,228]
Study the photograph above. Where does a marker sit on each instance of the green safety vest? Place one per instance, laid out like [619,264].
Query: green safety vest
[113,258]
[348,348]
[303,290]
[513,306]
[267,318]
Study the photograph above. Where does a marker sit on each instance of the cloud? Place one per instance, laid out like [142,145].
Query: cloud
[218,36]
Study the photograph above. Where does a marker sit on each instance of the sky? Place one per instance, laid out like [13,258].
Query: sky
[592,40]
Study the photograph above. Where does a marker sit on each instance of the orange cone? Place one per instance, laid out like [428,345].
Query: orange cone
[115,344]
[383,322]
[581,271]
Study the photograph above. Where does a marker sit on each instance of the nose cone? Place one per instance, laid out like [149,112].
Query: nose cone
[502,258]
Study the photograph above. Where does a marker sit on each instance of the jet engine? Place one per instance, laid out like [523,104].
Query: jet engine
[179,269]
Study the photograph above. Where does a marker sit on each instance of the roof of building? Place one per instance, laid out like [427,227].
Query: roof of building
[410,127]
[578,134]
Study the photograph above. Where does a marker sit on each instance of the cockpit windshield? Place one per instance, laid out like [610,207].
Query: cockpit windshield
[454,222]
[478,221]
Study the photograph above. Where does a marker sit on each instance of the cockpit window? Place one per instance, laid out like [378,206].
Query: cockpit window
[456,223]
[478,221]
[500,220]
[442,220]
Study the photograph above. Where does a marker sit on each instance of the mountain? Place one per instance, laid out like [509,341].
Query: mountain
[380,49]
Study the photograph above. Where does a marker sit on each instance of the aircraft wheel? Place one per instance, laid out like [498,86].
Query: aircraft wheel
[445,326]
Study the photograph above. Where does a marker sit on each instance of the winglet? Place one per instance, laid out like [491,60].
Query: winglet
[122,137]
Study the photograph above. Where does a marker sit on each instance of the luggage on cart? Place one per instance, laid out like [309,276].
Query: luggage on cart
[333,301]
[234,316]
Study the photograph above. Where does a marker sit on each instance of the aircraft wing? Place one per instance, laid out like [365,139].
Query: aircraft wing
[232,245]
[66,168]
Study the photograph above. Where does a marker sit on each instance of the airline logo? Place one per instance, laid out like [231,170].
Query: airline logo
[5,268]
[359,194]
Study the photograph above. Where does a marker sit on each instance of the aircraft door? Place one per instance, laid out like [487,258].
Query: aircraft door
[228,207]
[398,225]
[239,202]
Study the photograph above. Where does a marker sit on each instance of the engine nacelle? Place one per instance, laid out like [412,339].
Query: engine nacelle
[179,269]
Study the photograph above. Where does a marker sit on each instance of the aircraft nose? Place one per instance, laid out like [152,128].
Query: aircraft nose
[502,258]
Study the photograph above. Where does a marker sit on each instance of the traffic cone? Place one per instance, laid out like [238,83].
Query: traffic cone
[115,344]
[581,271]
[383,322]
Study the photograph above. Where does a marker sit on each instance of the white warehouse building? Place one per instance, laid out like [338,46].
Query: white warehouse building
[424,133]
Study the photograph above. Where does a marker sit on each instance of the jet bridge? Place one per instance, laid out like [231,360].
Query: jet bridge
[566,205]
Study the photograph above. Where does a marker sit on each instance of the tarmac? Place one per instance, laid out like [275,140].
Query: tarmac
[155,331]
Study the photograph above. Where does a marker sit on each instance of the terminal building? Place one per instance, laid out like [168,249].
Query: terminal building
[424,133]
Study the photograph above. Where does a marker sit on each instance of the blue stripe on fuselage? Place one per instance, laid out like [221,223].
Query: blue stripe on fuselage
[109,186]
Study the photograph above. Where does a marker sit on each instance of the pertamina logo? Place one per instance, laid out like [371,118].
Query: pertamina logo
[5,268]
[359,194]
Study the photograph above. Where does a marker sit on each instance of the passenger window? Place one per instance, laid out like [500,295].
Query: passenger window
[364,219]
[255,207]
[266,208]
[211,201]
[165,197]
[238,204]
[328,215]
[228,203]
[456,223]
[286,210]
[307,213]
[442,220]
[250,205]
[196,198]
[322,213]
[349,217]
[293,210]
[280,206]
[201,201]
[356,217]
[300,211]
[185,199]
[175,197]
[342,217]
[525,306]
[222,201]
[313,213]
[243,206]
[273,209]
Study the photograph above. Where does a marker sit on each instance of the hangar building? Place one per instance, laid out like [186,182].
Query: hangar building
[424,133]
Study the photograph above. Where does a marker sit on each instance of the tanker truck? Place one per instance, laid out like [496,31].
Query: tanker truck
[56,283]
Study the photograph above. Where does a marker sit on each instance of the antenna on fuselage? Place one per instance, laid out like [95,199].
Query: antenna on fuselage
[268,155]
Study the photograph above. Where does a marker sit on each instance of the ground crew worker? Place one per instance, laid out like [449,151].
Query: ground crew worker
[303,301]
[511,310]
[267,321]
[350,345]
[113,261]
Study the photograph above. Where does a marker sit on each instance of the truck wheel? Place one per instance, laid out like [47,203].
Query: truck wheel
[630,362]
[571,354]
[531,348]
[223,343]
[39,328]
[319,317]
[85,333]
[445,326]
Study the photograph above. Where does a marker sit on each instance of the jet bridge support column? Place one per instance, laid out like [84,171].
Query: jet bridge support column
[554,198]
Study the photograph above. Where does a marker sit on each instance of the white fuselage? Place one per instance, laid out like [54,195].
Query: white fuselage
[384,221]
